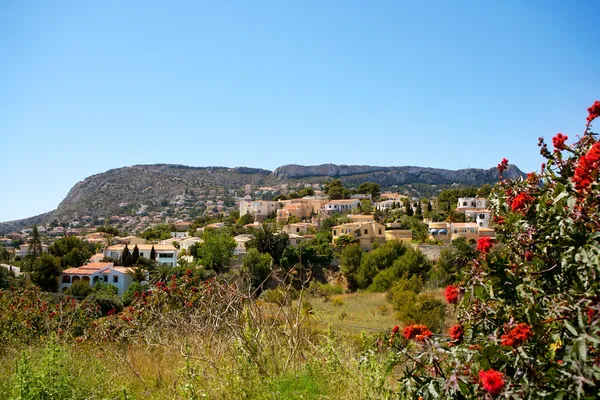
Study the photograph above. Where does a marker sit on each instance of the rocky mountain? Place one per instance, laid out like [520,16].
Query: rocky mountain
[389,176]
[158,184]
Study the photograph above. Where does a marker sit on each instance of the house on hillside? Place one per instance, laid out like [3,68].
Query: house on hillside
[366,233]
[300,228]
[339,206]
[166,254]
[97,272]
[259,209]
[449,231]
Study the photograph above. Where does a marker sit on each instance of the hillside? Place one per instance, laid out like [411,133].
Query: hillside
[157,185]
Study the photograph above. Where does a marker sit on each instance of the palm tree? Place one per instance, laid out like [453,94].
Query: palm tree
[162,273]
[138,273]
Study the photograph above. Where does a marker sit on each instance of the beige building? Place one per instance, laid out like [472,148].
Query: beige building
[449,231]
[400,235]
[300,208]
[340,206]
[300,228]
[366,233]
[259,209]
[361,218]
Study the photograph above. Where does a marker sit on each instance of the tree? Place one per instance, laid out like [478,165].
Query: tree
[72,251]
[135,255]
[138,273]
[111,230]
[245,219]
[257,266]
[408,208]
[80,289]
[336,190]
[152,254]
[162,273]
[35,245]
[126,257]
[419,210]
[350,261]
[216,251]
[371,188]
[420,231]
[267,240]
[45,272]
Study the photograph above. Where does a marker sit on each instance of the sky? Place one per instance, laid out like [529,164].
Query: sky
[87,86]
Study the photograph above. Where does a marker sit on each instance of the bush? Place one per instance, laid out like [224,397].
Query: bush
[337,302]
[528,313]
[79,289]
[106,301]
[423,309]
[129,294]
[324,289]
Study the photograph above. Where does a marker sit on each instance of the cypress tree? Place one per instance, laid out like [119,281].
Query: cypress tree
[419,210]
[135,256]
[153,254]
[126,257]
[35,244]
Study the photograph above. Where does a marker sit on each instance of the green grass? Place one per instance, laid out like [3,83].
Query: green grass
[305,385]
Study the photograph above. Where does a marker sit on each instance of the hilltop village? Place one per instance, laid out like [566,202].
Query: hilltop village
[328,216]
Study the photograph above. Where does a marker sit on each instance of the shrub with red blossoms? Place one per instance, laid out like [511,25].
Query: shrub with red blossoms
[517,335]
[484,244]
[492,381]
[521,202]
[528,312]
[503,166]
[457,332]
[451,294]
[559,140]
[417,332]
[593,112]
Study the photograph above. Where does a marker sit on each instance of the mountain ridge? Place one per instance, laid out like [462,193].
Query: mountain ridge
[100,194]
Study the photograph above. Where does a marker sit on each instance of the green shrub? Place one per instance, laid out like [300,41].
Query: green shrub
[106,301]
[129,294]
[423,308]
[337,302]
[324,289]
[80,289]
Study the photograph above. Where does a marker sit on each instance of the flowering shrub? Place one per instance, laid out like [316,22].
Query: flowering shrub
[529,308]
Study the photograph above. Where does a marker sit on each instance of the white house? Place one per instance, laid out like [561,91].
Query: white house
[338,206]
[97,272]
[465,203]
[166,254]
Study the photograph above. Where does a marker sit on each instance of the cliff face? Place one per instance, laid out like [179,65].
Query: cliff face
[388,176]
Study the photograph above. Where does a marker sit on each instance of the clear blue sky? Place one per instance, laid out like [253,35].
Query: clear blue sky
[86,86]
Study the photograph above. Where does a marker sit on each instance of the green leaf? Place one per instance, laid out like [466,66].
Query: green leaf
[571,328]
[582,349]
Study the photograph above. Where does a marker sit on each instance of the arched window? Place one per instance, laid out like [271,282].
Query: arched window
[66,279]
[464,203]
[86,278]
[75,278]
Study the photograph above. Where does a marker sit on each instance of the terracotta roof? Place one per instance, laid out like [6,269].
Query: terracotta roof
[88,269]
[157,247]
[344,201]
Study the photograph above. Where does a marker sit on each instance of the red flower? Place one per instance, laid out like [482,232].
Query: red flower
[594,112]
[520,202]
[587,168]
[559,141]
[395,330]
[499,219]
[528,255]
[457,332]
[590,315]
[502,166]
[484,244]
[517,335]
[52,314]
[492,381]
[418,332]
[451,293]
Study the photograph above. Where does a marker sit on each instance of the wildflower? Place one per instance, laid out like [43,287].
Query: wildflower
[418,332]
[484,244]
[517,336]
[587,168]
[457,332]
[52,314]
[499,219]
[594,112]
[528,255]
[451,293]
[492,381]
[559,141]
[112,311]
[520,202]
[395,330]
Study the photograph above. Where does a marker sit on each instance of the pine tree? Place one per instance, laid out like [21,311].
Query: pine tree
[419,210]
[153,254]
[35,245]
[429,208]
[126,257]
[409,210]
[135,256]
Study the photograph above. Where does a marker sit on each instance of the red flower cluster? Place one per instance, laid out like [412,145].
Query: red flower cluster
[457,332]
[520,202]
[499,219]
[528,255]
[559,141]
[492,381]
[395,330]
[594,112]
[502,166]
[418,332]
[517,335]
[587,168]
[484,244]
[451,293]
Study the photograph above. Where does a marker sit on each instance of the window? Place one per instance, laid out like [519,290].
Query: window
[464,203]
[366,231]
[66,279]
[334,232]
[96,279]
[380,231]
[297,229]
[168,255]
[105,278]
[115,279]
